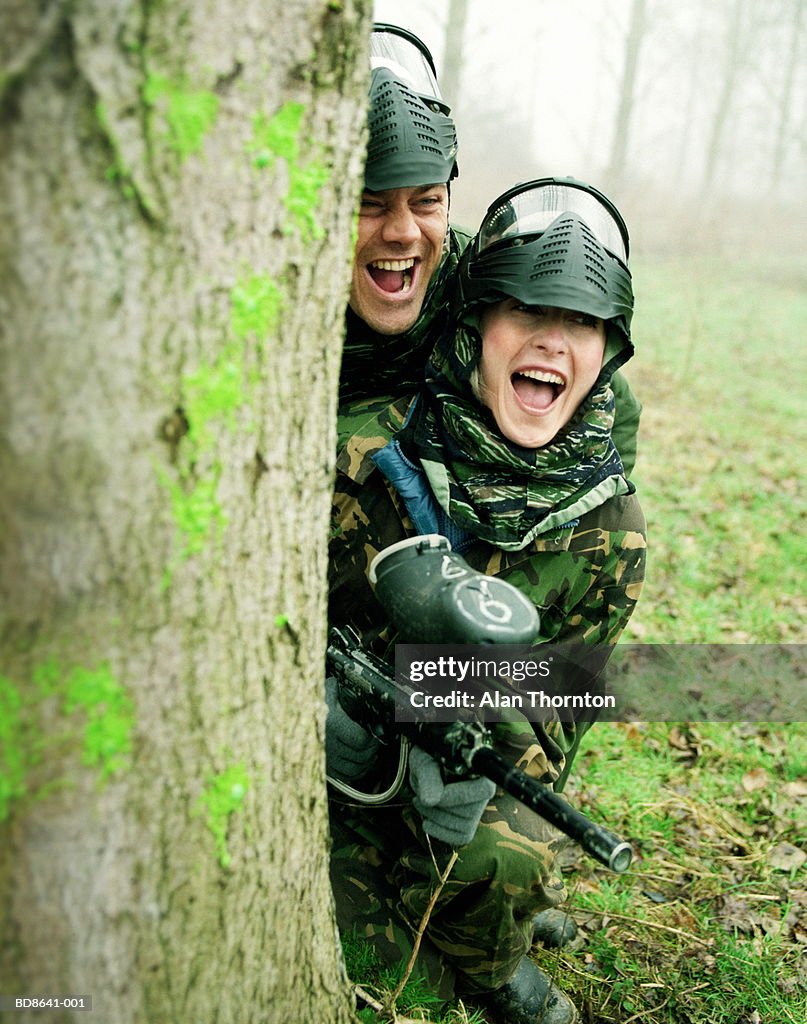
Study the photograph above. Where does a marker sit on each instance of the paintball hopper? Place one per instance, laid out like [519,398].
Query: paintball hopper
[433,596]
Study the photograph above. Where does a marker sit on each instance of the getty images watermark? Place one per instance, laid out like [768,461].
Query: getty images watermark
[630,682]
[472,676]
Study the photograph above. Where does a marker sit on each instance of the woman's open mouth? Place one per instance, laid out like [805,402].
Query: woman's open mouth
[537,390]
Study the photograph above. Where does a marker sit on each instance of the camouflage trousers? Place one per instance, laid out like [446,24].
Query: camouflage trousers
[384,870]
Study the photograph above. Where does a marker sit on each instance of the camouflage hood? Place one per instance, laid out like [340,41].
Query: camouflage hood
[503,493]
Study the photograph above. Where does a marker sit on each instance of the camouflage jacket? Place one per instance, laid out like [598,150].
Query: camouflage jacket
[391,366]
[584,578]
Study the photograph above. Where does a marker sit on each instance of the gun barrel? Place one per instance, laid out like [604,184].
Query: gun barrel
[368,693]
[597,841]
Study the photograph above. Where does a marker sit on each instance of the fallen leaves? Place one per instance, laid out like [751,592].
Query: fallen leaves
[755,780]
[786,857]
[718,877]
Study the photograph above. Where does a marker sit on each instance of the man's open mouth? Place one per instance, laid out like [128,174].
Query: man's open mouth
[537,389]
[393,275]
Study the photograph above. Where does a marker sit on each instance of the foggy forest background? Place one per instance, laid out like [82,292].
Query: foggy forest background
[690,115]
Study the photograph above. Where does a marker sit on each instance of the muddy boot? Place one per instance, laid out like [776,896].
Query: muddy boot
[553,928]
[529,997]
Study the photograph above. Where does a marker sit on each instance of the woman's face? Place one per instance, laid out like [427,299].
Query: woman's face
[538,364]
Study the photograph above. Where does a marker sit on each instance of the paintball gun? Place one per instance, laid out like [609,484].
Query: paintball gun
[432,595]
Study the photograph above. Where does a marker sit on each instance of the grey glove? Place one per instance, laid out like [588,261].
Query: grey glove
[350,749]
[450,811]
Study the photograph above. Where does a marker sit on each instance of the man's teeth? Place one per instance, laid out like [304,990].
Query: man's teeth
[393,264]
[542,375]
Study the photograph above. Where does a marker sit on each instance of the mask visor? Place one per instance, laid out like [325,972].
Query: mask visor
[408,59]
[530,211]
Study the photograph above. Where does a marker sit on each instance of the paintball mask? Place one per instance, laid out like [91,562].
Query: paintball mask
[552,242]
[412,140]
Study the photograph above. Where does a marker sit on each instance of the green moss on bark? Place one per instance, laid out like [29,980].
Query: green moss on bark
[221,798]
[279,136]
[188,114]
[98,718]
[211,396]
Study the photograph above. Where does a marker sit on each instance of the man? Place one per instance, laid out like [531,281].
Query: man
[406,252]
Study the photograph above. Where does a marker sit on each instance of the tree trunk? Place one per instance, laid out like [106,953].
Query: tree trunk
[732,70]
[785,111]
[451,76]
[627,93]
[178,185]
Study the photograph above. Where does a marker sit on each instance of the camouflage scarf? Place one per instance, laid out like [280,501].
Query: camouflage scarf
[503,493]
[379,364]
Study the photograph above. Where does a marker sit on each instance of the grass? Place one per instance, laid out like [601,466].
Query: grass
[708,926]
[720,357]
[415,1003]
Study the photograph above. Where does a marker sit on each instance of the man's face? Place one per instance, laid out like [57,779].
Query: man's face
[398,249]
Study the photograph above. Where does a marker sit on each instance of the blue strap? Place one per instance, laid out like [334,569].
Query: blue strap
[411,483]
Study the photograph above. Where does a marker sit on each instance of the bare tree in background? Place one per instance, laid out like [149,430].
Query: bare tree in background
[691,99]
[627,94]
[739,40]
[785,110]
[177,191]
[450,75]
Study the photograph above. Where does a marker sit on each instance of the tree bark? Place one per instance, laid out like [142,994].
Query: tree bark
[178,182]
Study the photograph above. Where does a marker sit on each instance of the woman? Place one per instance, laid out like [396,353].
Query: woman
[507,451]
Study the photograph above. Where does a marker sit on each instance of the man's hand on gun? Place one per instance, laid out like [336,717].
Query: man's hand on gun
[450,810]
[350,750]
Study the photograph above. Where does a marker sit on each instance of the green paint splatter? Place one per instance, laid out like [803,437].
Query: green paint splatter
[47,677]
[197,513]
[110,718]
[303,197]
[279,136]
[106,734]
[255,306]
[13,755]
[222,796]
[188,114]
[211,394]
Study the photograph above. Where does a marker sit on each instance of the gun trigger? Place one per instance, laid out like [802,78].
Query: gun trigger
[380,733]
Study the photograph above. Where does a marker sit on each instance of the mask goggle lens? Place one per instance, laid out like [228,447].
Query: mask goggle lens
[407,61]
[532,211]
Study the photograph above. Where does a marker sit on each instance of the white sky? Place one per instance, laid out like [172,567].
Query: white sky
[547,75]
